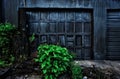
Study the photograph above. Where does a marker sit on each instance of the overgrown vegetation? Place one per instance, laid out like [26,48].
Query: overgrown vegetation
[7,32]
[32,38]
[76,71]
[54,60]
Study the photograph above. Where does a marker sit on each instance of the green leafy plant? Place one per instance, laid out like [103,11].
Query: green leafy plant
[53,60]
[76,71]
[2,63]
[32,38]
[6,33]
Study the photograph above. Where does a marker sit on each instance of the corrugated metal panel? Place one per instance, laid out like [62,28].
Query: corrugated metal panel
[113,34]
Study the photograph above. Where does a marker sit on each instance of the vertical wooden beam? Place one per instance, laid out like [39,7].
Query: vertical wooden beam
[99,29]
[11,11]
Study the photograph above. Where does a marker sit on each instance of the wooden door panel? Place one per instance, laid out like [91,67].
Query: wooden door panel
[71,29]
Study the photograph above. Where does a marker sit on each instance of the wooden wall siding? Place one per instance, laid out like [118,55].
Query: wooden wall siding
[112,4]
[99,14]
[11,6]
[58,3]
[68,3]
[113,34]
[11,11]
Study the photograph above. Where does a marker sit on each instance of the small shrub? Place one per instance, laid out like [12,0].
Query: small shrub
[53,60]
[76,71]
[6,34]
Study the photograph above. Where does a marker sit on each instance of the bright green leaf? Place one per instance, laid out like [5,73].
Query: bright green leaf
[44,71]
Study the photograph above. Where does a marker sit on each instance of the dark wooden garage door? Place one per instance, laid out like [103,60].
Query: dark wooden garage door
[113,34]
[68,28]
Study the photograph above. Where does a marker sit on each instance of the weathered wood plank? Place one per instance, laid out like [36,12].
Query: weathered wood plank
[113,39]
[114,49]
[117,34]
[113,44]
[113,28]
[57,3]
[11,11]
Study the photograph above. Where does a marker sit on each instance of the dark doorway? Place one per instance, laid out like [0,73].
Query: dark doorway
[113,34]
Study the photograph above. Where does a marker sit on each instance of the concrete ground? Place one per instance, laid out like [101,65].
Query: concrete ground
[100,64]
[105,66]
